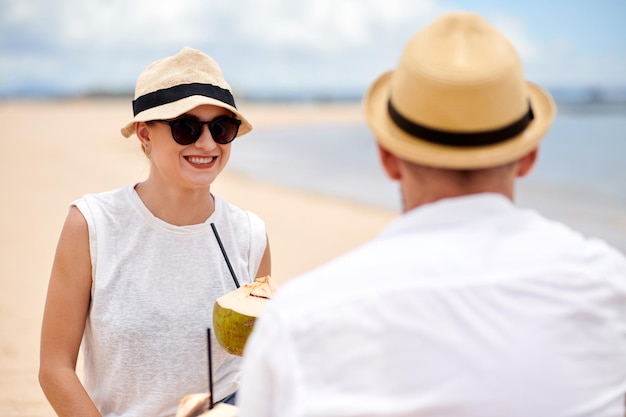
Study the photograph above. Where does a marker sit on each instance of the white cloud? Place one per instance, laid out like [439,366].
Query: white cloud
[124,23]
[291,44]
[329,24]
[18,11]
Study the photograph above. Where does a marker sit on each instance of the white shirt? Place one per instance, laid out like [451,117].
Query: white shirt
[464,307]
[154,287]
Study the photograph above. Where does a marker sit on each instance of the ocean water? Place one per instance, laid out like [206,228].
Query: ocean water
[580,178]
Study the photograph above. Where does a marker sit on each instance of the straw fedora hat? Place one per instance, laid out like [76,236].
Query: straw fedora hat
[458,99]
[174,85]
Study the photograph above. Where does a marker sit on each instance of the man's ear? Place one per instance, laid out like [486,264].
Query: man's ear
[526,163]
[390,163]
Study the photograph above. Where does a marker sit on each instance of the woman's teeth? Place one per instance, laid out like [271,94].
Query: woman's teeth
[198,160]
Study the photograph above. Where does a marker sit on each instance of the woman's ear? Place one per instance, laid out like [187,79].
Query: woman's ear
[526,163]
[143,133]
[390,163]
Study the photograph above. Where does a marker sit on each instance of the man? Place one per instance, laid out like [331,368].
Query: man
[466,305]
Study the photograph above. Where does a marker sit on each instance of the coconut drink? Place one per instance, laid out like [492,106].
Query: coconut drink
[235,313]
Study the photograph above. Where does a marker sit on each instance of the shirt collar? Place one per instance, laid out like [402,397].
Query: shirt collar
[448,211]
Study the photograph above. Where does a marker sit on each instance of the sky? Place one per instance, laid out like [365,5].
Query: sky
[286,46]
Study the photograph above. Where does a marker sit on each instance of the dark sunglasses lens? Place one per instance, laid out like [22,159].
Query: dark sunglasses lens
[186,131]
[224,129]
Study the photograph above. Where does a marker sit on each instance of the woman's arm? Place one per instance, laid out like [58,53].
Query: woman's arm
[265,267]
[65,313]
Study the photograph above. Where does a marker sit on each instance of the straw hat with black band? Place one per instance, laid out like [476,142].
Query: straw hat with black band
[458,99]
[174,85]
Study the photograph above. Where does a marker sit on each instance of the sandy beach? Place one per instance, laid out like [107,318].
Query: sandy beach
[52,152]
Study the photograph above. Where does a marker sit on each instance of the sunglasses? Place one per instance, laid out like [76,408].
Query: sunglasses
[187,130]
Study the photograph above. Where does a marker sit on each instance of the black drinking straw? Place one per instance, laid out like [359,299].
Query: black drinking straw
[208,339]
[230,268]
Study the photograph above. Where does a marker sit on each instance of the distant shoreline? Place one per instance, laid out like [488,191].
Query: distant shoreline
[596,99]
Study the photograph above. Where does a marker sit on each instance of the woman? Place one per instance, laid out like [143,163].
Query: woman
[138,269]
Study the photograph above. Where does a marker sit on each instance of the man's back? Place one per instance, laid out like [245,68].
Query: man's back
[464,307]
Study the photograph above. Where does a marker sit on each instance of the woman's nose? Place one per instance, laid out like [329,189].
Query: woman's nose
[205,141]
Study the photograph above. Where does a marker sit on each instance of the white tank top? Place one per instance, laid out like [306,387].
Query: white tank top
[154,285]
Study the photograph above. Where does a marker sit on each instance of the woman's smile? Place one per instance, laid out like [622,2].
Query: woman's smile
[201,160]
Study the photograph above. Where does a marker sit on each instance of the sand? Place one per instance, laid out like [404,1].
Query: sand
[52,152]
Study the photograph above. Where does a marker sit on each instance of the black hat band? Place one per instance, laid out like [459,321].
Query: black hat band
[177,92]
[481,138]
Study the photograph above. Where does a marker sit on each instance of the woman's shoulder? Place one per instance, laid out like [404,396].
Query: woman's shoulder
[108,194]
[230,213]
[226,208]
[106,199]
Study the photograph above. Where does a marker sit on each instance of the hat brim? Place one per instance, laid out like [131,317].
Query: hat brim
[420,151]
[176,108]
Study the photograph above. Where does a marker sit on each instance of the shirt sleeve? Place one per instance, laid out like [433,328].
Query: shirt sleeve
[269,373]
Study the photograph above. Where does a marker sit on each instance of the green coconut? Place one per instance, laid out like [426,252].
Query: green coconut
[235,313]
